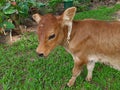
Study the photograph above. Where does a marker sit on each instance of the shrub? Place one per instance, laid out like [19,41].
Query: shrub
[82,5]
[53,4]
[14,11]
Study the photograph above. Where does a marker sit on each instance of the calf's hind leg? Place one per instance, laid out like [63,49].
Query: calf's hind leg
[90,67]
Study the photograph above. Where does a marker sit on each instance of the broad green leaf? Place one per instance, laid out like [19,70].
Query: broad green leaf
[40,5]
[23,9]
[1,16]
[6,6]
[32,2]
[7,25]
[10,11]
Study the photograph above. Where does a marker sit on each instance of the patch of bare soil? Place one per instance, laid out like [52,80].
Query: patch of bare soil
[1,87]
[98,3]
[10,38]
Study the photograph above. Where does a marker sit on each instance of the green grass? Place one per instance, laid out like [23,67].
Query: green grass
[22,69]
[103,13]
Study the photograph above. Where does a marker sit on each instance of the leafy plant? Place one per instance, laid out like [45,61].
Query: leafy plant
[54,3]
[82,5]
[4,22]
[67,0]
[16,11]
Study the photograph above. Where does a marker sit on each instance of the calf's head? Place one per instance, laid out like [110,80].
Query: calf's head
[50,30]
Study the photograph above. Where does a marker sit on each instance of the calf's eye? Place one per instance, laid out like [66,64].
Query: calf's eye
[51,36]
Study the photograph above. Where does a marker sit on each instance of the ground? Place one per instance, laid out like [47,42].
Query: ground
[22,69]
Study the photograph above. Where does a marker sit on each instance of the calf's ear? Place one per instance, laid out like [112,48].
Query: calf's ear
[68,15]
[37,17]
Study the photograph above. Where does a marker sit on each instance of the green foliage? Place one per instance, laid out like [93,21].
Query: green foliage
[82,5]
[53,4]
[17,7]
[7,25]
[67,0]
[16,10]
[84,1]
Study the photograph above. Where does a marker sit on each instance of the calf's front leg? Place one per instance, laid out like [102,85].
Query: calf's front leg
[76,71]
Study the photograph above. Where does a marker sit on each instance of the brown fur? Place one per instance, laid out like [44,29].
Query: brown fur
[90,41]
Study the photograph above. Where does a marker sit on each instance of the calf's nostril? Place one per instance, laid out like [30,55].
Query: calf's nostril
[41,54]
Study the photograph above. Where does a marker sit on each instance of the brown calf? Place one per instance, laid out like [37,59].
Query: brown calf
[88,41]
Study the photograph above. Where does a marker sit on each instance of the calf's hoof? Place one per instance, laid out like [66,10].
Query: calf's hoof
[88,79]
[70,83]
